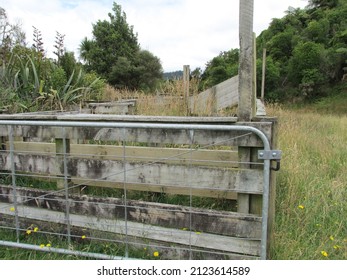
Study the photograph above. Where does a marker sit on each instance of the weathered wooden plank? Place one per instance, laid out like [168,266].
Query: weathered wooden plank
[167,235]
[221,158]
[119,108]
[260,108]
[156,174]
[221,96]
[119,118]
[155,135]
[166,215]
[172,190]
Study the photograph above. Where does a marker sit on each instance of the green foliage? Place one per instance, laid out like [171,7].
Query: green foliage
[114,42]
[31,82]
[11,35]
[306,67]
[114,54]
[305,44]
[220,68]
[272,74]
[305,53]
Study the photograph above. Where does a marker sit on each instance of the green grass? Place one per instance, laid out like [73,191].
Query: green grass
[311,201]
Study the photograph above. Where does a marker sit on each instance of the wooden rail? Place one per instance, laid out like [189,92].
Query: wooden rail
[202,163]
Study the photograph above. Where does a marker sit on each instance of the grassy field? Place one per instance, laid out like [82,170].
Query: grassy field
[311,201]
[311,205]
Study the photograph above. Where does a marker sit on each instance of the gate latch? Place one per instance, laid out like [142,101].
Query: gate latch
[271,155]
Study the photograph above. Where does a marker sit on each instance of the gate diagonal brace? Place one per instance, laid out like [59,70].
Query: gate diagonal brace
[271,155]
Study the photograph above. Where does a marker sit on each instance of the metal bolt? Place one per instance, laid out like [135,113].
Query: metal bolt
[274,154]
[261,154]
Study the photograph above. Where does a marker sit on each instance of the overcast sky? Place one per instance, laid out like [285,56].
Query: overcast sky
[179,32]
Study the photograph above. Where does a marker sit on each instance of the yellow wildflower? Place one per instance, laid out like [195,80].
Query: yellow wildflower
[83,237]
[336,247]
[331,238]
[12,209]
[36,229]
[48,245]
[156,254]
[301,206]
[42,245]
[28,231]
[324,253]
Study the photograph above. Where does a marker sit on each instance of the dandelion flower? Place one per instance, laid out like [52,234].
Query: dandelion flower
[83,237]
[301,206]
[324,253]
[36,229]
[48,245]
[42,245]
[28,231]
[336,247]
[331,238]
[156,254]
[12,209]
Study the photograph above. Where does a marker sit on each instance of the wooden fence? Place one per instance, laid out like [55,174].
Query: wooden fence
[173,162]
[218,97]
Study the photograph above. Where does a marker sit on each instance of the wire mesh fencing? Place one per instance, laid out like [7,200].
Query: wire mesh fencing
[105,190]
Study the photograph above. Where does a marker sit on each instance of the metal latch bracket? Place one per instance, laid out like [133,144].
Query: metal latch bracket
[271,155]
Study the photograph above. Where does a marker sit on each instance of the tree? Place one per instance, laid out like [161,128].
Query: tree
[68,62]
[114,45]
[323,3]
[221,68]
[149,70]
[10,36]
[114,54]
[85,50]
[307,67]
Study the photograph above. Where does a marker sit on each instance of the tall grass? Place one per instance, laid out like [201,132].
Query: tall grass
[311,204]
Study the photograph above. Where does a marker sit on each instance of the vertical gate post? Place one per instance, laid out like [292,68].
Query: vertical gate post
[247,103]
[186,74]
[247,98]
[61,150]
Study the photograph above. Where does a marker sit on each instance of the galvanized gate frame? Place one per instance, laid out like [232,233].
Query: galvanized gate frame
[266,155]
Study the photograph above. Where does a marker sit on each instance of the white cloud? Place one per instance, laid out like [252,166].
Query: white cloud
[177,31]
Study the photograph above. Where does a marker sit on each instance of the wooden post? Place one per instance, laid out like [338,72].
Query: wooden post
[263,76]
[254,97]
[186,75]
[246,108]
[59,156]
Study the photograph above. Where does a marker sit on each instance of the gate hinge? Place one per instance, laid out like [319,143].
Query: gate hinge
[271,155]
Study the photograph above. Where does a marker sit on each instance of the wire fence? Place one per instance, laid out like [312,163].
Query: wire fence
[110,197]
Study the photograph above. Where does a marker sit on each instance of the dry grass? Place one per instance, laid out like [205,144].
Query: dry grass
[168,100]
[311,202]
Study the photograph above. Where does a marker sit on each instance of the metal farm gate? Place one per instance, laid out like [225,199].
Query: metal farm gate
[136,187]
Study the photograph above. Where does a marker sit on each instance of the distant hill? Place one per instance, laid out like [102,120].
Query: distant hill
[173,75]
